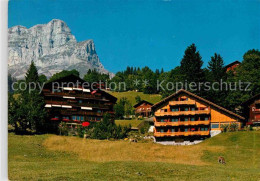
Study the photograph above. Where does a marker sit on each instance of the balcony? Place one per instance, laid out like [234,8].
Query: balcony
[189,133]
[175,103]
[179,113]
[256,111]
[181,123]
[85,113]
[76,104]
[77,95]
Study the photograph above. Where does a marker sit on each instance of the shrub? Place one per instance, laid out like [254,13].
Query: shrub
[63,129]
[233,127]
[107,129]
[224,127]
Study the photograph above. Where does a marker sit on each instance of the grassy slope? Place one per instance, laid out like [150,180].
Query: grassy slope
[153,98]
[134,123]
[49,157]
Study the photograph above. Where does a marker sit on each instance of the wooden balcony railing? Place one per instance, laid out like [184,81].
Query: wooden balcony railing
[174,103]
[189,133]
[75,104]
[90,96]
[85,113]
[181,123]
[179,113]
[256,110]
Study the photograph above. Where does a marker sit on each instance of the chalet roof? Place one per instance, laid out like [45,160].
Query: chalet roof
[233,63]
[141,102]
[199,98]
[257,96]
[68,78]
[73,78]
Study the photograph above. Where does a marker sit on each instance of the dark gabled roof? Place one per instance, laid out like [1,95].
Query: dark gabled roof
[73,78]
[233,63]
[68,78]
[199,98]
[141,102]
[251,99]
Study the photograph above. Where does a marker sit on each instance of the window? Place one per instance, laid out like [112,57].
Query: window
[192,119]
[202,129]
[186,119]
[186,109]
[80,101]
[56,117]
[206,119]
[172,130]
[73,117]
[82,118]
[174,120]
[193,108]
[214,126]
[98,119]
[206,129]
[175,109]
[186,129]
[161,130]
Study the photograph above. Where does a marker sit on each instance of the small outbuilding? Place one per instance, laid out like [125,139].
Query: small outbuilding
[143,108]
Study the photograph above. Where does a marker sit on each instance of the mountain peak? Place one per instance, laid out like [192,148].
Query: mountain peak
[52,47]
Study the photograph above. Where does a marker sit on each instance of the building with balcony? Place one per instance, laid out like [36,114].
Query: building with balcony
[74,101]
[184,116]
[252,110]
[143,108]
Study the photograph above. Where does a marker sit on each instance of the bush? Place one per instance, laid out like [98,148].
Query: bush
[233,127]
[63,129]
[229,128]
[224,127]
[107,129]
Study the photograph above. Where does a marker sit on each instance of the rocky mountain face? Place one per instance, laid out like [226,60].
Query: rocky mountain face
[52,47]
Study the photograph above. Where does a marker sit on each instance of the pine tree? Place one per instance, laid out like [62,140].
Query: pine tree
[32,102]
[191,65]
[32,74]
[216,67]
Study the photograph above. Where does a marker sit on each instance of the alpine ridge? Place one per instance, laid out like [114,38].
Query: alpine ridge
[52,47]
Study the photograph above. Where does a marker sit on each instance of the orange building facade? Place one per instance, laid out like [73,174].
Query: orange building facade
[185,116]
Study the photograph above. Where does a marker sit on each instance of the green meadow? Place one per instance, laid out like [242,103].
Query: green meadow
[52,157]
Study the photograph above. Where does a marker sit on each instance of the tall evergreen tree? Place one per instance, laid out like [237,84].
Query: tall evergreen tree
[32,74]
[31,100]
[216,67]
[191,65]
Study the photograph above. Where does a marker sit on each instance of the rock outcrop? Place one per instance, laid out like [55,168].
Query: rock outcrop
[52,47]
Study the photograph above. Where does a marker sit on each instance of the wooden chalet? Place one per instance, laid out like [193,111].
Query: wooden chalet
[252,110]
[72,100]
[232,65]
[143,108]
[185,116]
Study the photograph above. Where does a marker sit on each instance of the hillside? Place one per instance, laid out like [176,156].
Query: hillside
[130,95]
[52,157]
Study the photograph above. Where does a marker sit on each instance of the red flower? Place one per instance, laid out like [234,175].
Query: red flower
[85,124]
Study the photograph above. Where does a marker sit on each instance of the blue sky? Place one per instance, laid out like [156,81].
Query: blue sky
[153,33]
